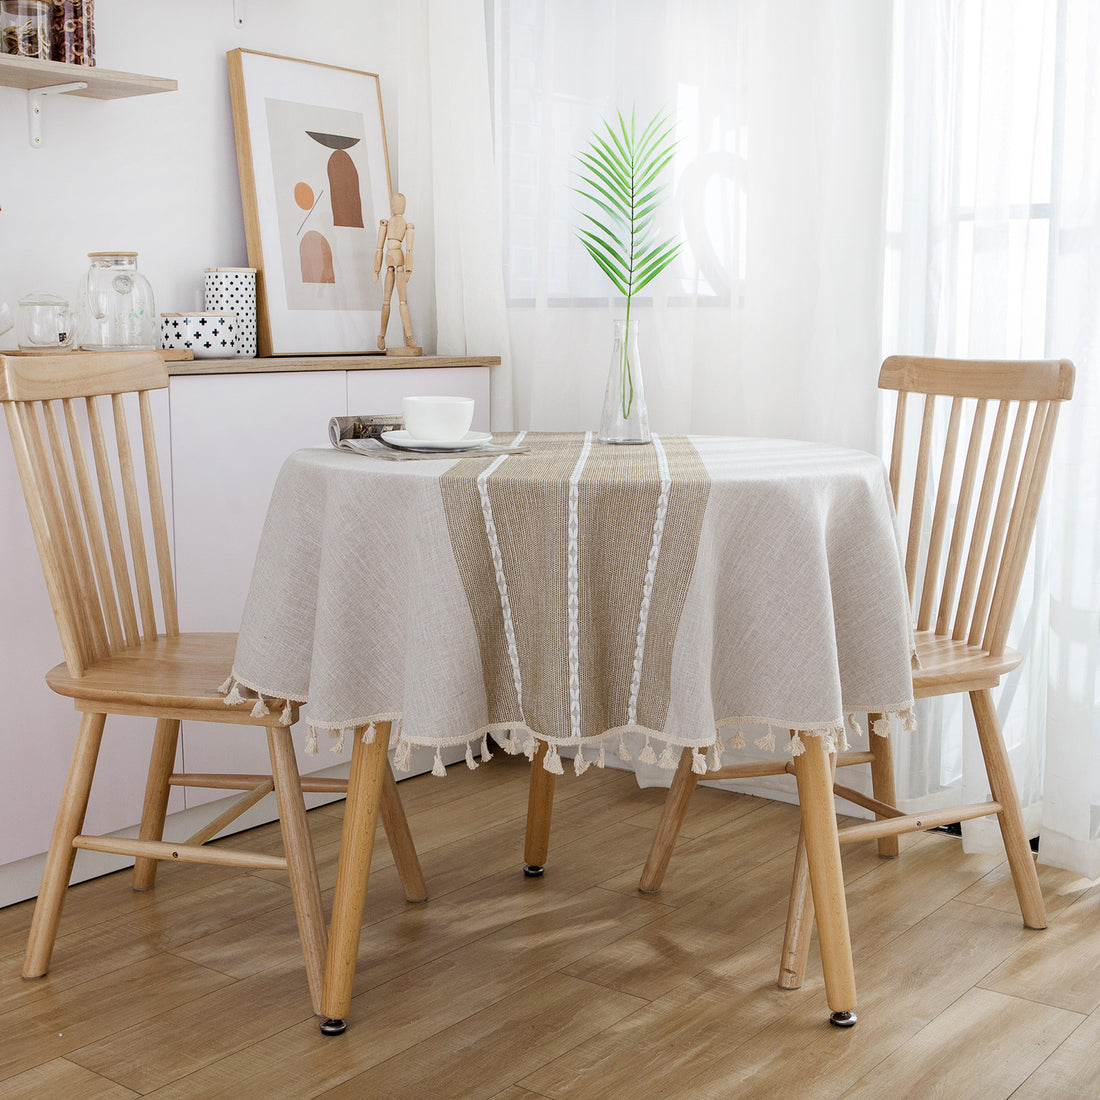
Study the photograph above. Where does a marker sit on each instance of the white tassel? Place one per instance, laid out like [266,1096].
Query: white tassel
[624,752]
[437,768]
[552,761]
[842,739]
[767,742]
[715,762]
[486,755]
[737,741]
[828,739]
[403,756]
[471,763]
[699,762]
[909,719]
[260,709]
[339,736]
[796,747]
[881,726]
[668,759]
[287,717]
[857,729]
[530,748]
[580,765]
[647,755]
[601,760]
[234,699]
[227,685]
[311,742]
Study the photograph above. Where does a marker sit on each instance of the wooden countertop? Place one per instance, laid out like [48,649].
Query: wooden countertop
[277,363]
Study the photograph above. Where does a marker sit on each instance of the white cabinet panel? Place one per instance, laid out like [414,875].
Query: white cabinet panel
[230,436]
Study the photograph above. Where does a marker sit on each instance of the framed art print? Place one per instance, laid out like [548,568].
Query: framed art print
[315,182]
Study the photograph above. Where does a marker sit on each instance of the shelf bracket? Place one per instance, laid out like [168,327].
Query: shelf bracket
[34,106]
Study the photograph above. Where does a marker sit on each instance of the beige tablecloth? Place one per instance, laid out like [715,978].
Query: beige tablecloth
[791,612]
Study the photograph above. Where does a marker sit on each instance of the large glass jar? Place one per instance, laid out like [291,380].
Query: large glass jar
[117,311]
[25,28]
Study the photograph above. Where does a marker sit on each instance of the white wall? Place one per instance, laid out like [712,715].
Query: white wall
[158,174]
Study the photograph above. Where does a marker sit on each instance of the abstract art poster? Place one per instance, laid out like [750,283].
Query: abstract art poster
[315,182]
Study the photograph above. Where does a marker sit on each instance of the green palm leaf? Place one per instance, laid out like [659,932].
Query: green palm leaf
[618,174]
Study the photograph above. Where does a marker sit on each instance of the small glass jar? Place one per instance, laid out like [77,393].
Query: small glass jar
[117,310]
[72,31]
[25,28]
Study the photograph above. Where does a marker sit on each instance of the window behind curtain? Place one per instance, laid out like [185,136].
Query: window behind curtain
[563,67]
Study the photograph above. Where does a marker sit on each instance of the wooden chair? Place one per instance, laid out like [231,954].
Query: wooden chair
[971,507]
[92,496]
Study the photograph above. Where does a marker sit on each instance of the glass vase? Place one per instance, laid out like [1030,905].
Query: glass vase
[624,419]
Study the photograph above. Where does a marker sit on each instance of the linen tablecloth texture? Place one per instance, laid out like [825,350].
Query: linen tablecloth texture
[676,590]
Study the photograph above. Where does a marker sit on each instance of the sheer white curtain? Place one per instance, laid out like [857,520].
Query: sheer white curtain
[993,250]
[447,172]
[769,324]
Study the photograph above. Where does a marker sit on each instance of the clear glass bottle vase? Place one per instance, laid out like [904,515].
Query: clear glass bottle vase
[625,419]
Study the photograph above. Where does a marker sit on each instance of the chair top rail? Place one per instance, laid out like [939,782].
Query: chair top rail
[1011,380]
[79,374]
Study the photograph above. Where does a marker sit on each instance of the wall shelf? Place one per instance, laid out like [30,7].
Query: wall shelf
[31,74]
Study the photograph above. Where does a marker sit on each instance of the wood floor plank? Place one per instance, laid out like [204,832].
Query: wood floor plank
[61,1078]
[200,1031]
[62,1023]
[489,1050]
[963,1052]
[1071,1071]
[698,1023]
[903,984]
[1060,965]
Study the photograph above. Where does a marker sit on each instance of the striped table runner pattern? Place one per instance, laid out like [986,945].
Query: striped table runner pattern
[576,560]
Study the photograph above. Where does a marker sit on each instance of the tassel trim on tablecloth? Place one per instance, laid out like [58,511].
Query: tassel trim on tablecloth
[515,739]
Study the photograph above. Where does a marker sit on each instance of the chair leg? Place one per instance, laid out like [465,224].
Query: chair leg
[401,842]
[162,761]
[672,821]
[305,884]
[882,781]
[540,807]
[60,857]
[1003,787]
[800,922]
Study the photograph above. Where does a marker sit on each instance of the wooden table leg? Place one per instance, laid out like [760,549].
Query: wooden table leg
[540,806]
[368,767]
[814,774]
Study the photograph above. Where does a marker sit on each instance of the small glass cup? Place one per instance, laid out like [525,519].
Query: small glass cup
[45,324]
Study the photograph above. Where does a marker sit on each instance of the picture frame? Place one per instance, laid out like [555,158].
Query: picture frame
[315,183]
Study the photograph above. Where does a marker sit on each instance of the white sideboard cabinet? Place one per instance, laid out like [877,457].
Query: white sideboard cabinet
[224,429]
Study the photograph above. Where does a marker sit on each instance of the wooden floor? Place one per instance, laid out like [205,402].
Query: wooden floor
[570,985]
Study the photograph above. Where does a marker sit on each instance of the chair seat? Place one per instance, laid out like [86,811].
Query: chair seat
[177,672]
[948,666]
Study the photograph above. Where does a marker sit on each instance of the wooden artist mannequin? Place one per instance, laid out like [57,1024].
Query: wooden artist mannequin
[395,249]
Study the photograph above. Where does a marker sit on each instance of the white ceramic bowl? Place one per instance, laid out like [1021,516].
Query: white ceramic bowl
[438,418]
[208,335]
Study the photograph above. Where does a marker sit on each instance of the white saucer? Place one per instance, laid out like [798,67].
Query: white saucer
[467,443]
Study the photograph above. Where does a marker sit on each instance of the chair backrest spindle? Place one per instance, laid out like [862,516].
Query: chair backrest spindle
[972,595]
[81,479]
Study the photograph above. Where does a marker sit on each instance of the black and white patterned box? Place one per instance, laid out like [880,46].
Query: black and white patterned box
[233,290]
